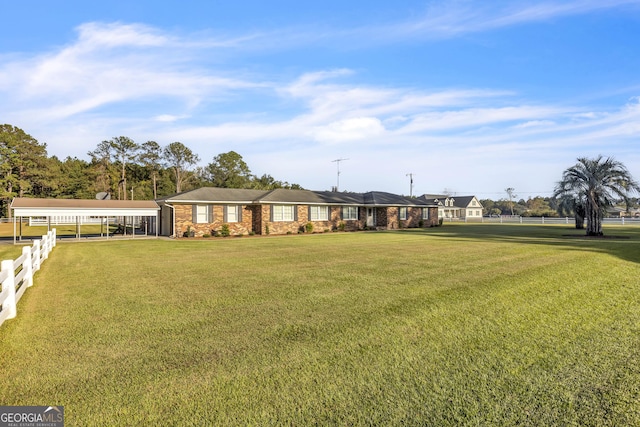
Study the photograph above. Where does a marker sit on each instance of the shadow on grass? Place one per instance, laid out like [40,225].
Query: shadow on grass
[622,242]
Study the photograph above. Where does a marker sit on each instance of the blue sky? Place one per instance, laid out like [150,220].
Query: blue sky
[470,97]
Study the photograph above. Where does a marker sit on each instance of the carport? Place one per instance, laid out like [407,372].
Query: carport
[23,207]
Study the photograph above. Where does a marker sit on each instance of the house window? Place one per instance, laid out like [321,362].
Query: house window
[350,212]
[283,212]
[425,213]
[473,203]
[232,213]
[319,213]
[403,213]
[203,214]
[477,213]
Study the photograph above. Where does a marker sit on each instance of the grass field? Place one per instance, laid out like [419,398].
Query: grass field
[6,229]
[459,325]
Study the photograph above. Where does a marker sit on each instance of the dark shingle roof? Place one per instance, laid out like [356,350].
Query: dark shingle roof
[390,199]
[281,195]
[463,201]
[458,201]
[336,198]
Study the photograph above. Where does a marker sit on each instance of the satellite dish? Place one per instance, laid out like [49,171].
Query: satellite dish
[103,195]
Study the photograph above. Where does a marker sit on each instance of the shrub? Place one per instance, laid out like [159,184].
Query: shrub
[309,227]
[342,226]
[206,235]
[440,222]
[420,224]
[266,229]
[224,230]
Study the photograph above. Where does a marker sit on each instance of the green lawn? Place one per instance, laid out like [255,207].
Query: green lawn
[459,325]
[36,231]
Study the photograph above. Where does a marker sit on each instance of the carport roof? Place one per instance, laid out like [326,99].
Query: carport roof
[23,206]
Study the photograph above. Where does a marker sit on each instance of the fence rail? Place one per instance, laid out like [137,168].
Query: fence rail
[515,219]
[17,275]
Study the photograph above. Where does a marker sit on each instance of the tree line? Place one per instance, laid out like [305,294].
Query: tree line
[119,168]
[123,169]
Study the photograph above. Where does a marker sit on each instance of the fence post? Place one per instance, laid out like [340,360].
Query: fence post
[521,220]
[9,284]
[53,237]
[543,219]
[27,266]
[45,246]
[36,254]
[566,220]
[622,220]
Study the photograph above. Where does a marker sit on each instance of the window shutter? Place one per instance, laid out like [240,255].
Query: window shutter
[239,210]
[309,213]
[295,212]
[342,213]
[226,209]
[194,214]
[271,209]
[210,208]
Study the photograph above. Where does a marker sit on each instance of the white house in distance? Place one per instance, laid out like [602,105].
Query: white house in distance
[456,207]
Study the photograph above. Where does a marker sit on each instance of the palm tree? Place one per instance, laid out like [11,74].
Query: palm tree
[570,203]
[595,184]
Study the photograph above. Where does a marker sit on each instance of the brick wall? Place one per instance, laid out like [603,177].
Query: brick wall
[184,221]
[257,219]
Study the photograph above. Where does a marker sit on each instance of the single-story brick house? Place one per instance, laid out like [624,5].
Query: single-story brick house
[458,207]
[282,211]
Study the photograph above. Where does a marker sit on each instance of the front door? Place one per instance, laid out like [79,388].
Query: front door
[371,217]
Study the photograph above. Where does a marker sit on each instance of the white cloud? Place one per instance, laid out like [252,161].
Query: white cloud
[93,35]
[111,63]
[534,123]
[349,130]
[453,19]
[167,118]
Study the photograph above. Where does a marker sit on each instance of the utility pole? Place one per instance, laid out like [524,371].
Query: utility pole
[511,193]
[337,161]
[410,175]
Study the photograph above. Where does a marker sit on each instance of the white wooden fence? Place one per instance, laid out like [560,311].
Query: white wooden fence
[17,275]
[516,219]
